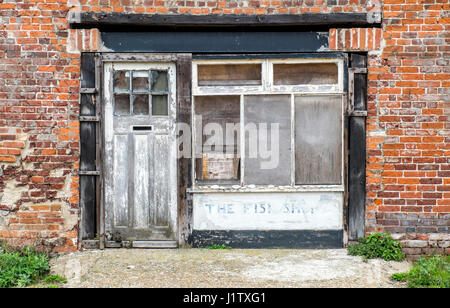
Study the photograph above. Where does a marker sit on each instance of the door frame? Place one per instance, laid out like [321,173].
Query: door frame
[163,126]
[182,90]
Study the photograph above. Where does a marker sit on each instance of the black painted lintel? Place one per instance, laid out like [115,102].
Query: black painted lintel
[101,20]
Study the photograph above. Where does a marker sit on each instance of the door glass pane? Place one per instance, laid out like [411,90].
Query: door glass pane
[140,104]
[140,81]
[267,139]
[121,81]
[121,104]
[216,121]
[159,105]
[318,139]
[229,74]
[159,81]
[305,73]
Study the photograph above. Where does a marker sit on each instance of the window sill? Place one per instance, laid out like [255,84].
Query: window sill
[264,189]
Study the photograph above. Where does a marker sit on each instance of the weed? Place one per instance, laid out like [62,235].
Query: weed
[401,277]
[378,245]
[431,272]
[22,268]
[216,246]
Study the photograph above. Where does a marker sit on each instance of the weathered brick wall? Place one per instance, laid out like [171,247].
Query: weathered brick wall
[39,138]
[408,127]
[408,170]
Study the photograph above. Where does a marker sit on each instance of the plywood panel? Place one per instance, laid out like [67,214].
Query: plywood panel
[229,74]
[318,139]
[273,167]
[305,73]
[217,160]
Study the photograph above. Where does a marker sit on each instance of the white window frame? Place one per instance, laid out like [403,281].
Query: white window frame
[267,88]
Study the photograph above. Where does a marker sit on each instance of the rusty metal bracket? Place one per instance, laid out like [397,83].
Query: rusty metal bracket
[89,119]
[88,90]
[90,172]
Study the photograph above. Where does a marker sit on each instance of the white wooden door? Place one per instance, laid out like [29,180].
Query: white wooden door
[140,151]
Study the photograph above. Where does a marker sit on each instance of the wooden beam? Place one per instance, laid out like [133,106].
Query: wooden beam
[357,151]
[99,20]
[184,164]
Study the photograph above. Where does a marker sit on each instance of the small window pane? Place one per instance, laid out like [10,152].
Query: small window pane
[216,121]
[121,104]
[305,73]
[159,105]
[318,139]
[267,139]
[140,104]
[229,74]
[121,81]
[140,81]
[159,81]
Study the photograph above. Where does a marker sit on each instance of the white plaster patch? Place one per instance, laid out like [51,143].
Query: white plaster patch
[12,193]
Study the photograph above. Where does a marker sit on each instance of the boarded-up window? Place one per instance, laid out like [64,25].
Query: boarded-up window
[267,139]
[318,139]
[217,120]
[229,74]
[291,121]
[305,73]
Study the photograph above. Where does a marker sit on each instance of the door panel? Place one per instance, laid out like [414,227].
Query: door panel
[161,180]
[140,152]
[142,175]
[120,173]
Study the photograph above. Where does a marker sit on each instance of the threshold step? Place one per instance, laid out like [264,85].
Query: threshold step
[154,244]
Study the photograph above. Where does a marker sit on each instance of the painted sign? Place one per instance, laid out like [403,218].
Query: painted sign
[268,211]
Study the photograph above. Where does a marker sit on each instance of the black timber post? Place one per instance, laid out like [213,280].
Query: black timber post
[357,148]
[88,150]
[184,164]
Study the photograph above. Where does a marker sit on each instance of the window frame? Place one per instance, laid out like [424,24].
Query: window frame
[149,67]
[269,88]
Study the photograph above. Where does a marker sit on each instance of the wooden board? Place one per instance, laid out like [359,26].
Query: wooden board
[318,136]
[271,111]
[184,164]
[357,155]
[91,19]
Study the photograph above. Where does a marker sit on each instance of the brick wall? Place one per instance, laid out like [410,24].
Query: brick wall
[39,138]
[408,127]
[408,170]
